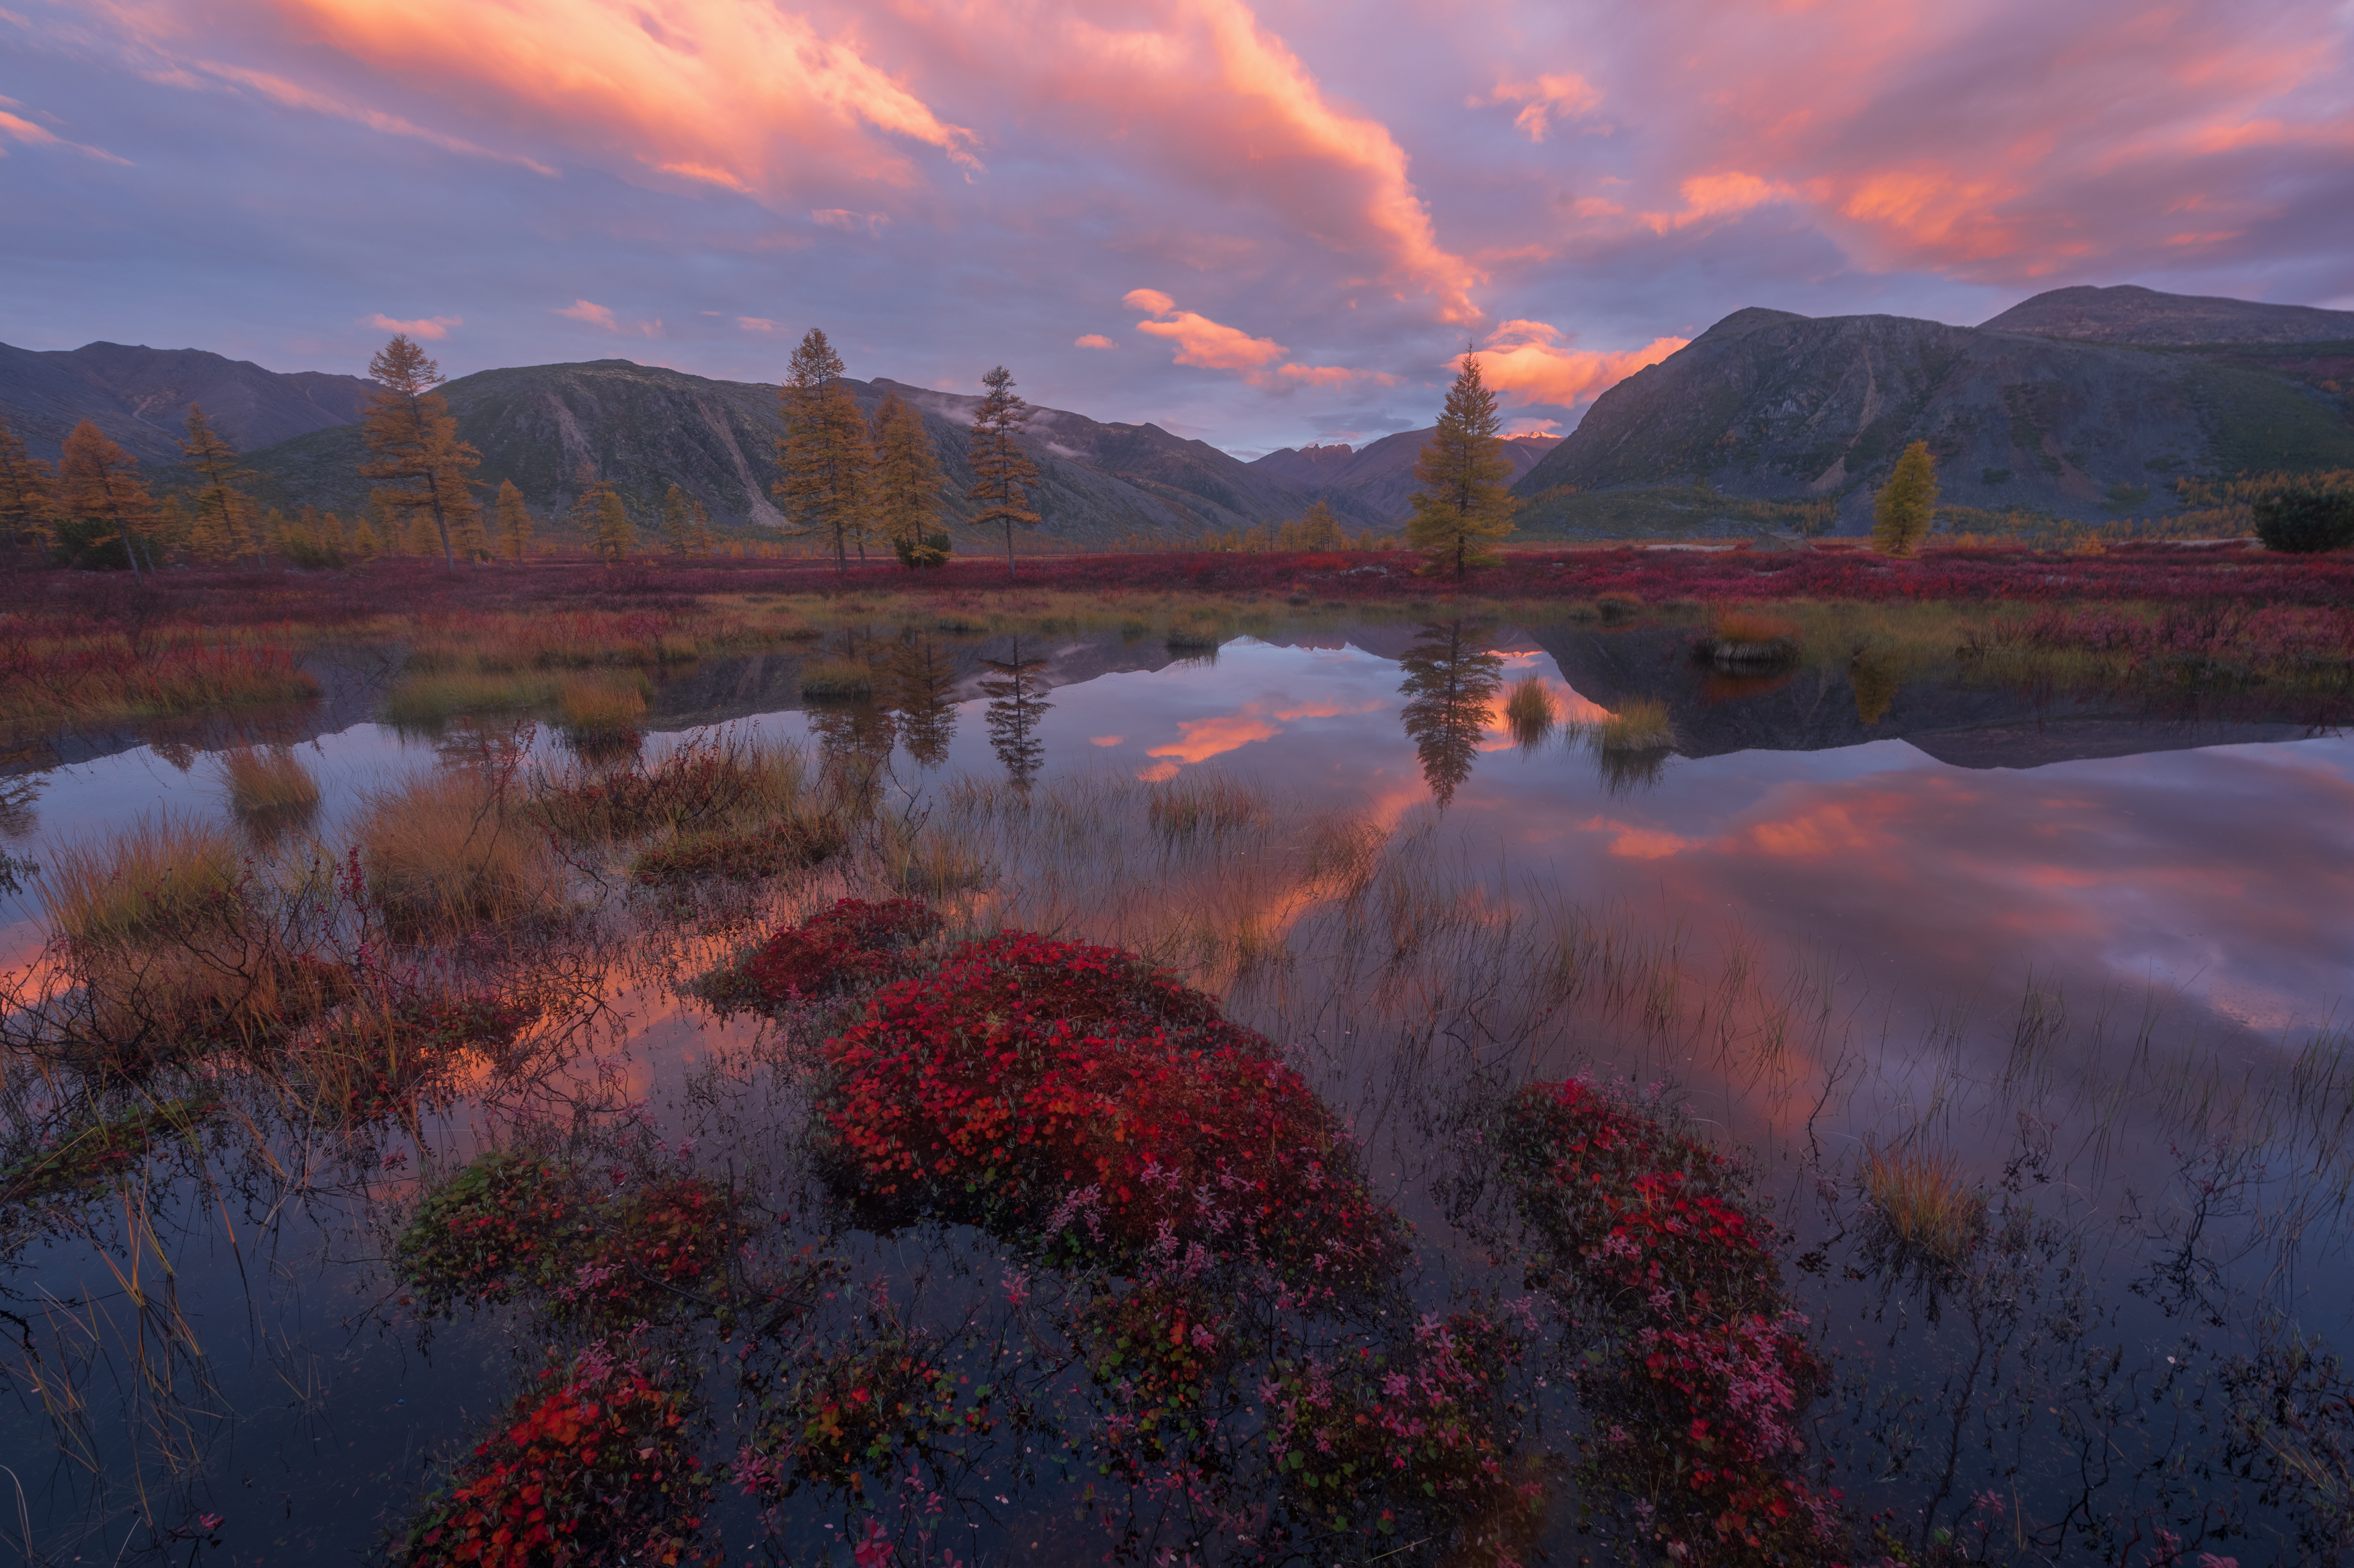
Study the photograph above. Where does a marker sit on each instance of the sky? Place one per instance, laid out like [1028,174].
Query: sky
[1257,224]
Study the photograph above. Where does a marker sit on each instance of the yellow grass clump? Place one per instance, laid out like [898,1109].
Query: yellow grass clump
[164,876]
[1640,725]
[1929,1217]
[595,708]
[267,781]
[451,851]
[837,680]
[1751,637]
[1530,712]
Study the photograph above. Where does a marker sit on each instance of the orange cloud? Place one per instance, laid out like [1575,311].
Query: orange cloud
[1630,843]
[32,135]
[292,95]
[1524,359]
[1198,740]
[1159,773]
[1105,739]
[1719,196]
[751,98]
[1216,346]
[1545,97]
[432,328]
[1092,340]
[593,314]
[756,323]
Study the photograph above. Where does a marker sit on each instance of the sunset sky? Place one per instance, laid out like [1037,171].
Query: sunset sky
[1260,225]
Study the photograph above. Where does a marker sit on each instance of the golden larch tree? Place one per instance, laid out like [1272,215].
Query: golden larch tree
[1902,510]
[99,487]
[907,484]
[614,539]
[1464,502]
[408,426]
[678,521]
[221,525]
[1002,471]
[825,463]
[514,521]
[28,494]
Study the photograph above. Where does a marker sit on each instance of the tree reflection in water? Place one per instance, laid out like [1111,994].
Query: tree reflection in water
[1015,707]
[1451,679]
[921,676]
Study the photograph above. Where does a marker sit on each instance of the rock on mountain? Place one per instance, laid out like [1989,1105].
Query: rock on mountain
[1770,406]
[140,397]
[1369,485]
[2128,313]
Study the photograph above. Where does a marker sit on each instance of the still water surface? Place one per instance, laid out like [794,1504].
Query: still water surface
[1965,871]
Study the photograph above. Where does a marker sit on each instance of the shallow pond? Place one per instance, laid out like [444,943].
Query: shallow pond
[2089,952]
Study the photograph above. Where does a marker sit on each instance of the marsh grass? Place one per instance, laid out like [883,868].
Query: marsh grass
[598,706]
[453,849]
[1203,806]
[837,680]
[1641,725]
[164,875]
[434,697]
[1926,1216]
[1751,638]
[1530,712]
[268,782]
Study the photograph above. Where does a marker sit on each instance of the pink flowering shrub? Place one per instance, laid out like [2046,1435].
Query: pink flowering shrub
[1697,1367]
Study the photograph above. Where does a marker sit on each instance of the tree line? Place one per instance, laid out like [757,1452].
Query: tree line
[845,478]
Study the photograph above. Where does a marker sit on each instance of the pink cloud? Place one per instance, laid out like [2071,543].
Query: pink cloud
[1568,94]
[1525,359]
[756,323]
[593,314]
[1092,340]
[842,217]
[287,94]
[431,328]
[27,132]
[1216,346]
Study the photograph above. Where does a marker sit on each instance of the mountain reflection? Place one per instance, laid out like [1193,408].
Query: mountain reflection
[1015,707]
[1450,680]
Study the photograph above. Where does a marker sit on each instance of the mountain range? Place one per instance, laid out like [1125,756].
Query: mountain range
[2081,402]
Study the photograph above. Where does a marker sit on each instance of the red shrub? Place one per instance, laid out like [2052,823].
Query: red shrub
[850,943]
[1071,1097]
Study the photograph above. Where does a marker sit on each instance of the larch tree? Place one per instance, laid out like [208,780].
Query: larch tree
[1464,502]
[1318,530]
[513,521]
[1002,471]
[679,514]
[614,539]
[825,462]
[28,493]
[907,484]
[408,426]
[1902,510]
[100,487]
[698,532]
[221,527]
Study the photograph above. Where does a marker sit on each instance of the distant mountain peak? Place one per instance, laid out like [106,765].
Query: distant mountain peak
[2129,313]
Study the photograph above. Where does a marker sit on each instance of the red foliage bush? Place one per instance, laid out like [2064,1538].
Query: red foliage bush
[1071,1098]
[1698,1369]
[848,944]
[591,1468]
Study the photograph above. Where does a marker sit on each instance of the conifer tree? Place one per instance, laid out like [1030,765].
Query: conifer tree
[171,528]
[1001,471]
[1318,529]
[1464,502]
[677,520]
[514,521]
[698,532]
[409,428]
[825,462]
[222,525]
[98,487]
[364,543]
[28,493]
[613,538]
[907,484]
[1901,511]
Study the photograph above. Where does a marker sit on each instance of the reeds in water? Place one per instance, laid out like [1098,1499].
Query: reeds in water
[593,709]
[268,782]
[837,680]
[1203,807]
[451,851]
[1640,725]
[1930,1219]
[165,875]
[1530,712]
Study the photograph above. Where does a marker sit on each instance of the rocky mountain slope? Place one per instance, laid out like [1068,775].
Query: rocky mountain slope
[645,429]
[1770,406]
[2128,313]
[140,397]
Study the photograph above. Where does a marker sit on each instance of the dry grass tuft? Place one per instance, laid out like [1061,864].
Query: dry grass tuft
[1642,725]
[594,708]
[450,851]
[1530,712]
[1203,807]
[1749,637]
[166,876]
[837,680]
[267,781]
[1929,1217]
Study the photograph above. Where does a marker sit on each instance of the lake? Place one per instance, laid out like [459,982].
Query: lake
[2085,953]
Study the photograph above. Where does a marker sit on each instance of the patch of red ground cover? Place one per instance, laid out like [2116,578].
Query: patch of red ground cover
[1072,1099]
[848,944]
[1698,1367]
